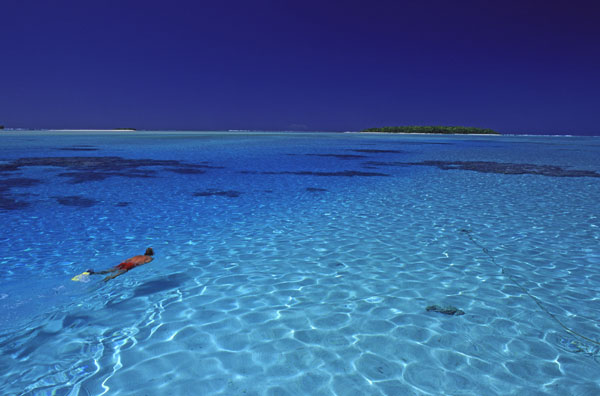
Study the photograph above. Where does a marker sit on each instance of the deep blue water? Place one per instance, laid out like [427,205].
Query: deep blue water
[291,264]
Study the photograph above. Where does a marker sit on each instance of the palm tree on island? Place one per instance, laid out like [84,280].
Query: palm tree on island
[434,129]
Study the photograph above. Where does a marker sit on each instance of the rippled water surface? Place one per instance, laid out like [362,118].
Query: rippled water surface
[291,264]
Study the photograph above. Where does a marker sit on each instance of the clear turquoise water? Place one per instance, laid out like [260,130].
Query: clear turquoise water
[295,270]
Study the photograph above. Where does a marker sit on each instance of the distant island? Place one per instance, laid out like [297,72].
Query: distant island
[1,126]
[434,129]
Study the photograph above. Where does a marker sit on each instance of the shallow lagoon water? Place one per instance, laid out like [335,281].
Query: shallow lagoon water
[300,263]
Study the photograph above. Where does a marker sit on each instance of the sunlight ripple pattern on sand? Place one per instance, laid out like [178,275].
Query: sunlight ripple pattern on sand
[300,283]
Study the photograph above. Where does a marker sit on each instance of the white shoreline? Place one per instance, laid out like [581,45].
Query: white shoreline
[88,130]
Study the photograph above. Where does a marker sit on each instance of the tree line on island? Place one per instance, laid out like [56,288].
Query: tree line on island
[434,129]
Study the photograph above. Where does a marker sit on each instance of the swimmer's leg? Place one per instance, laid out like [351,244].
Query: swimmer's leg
[117,273]
[108,271]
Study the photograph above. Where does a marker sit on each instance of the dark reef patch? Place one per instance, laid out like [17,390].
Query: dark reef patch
[211,192]
[8,167]
[74,200]
[7,201]
[424,143]
[202,166]
[108,163]
[85,176]
[5,184]
[315,189]
[505,168]
[186,171]
[346,173]
[339,156]
[79,148]
[88,169]
[375,151]
[105,164]
[374,164]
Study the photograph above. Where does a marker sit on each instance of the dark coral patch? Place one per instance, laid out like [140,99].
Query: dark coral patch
[78,148]
[375,151]
[203,165]
[18,182]
[186,171]
[218,193]
[347,173]
[371,164]
[82,177]
[315,189]
[8,167]
[108,163]
[87,176]
[340,156]
[507,168]
[423,143]
[7,203]
[74,200]
[87,169]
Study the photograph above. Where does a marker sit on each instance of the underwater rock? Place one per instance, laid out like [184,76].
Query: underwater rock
[448,310]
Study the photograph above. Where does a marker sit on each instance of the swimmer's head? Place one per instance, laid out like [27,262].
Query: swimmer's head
[149,252]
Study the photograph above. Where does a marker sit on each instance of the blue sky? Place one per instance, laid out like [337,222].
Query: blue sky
[514,66]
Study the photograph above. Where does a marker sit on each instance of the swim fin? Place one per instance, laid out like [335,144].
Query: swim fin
[83,277]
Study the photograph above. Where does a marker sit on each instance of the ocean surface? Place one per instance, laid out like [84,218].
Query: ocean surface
[300,264]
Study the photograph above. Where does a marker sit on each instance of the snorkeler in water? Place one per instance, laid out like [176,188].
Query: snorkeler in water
[125,266]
